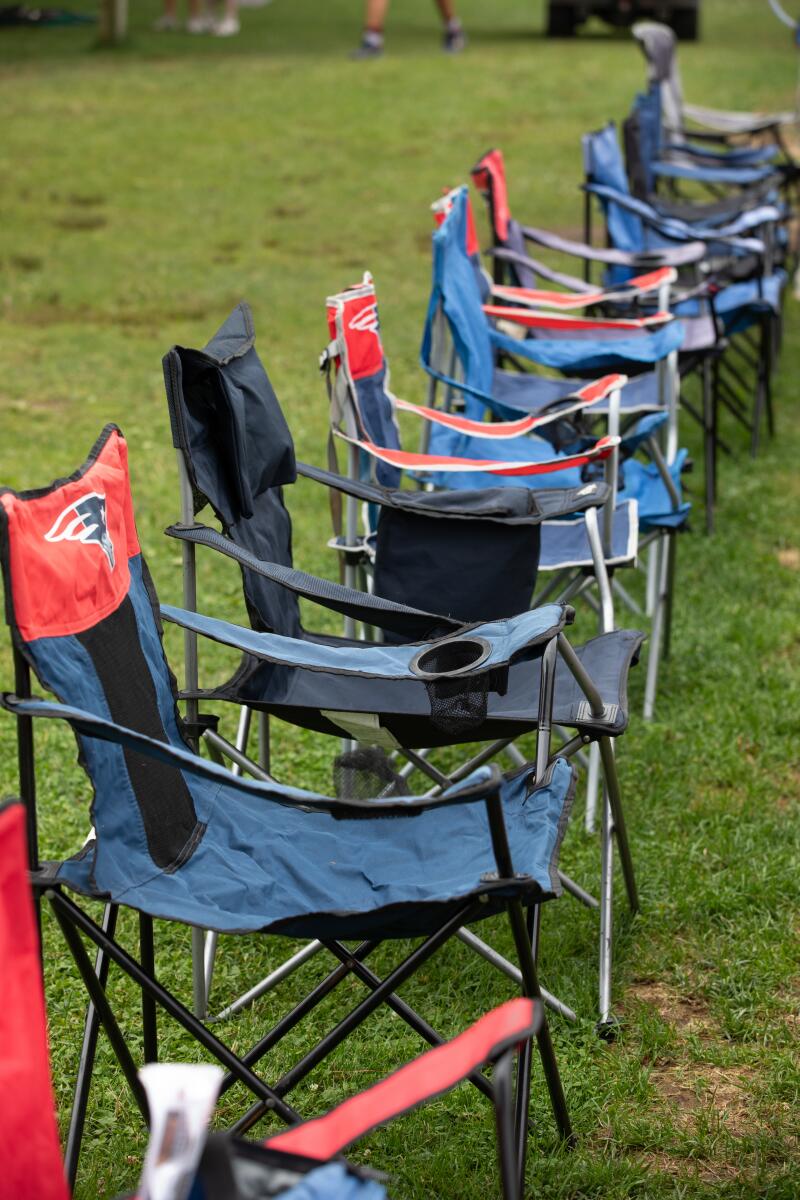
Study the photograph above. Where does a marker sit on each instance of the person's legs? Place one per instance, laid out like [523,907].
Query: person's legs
[454,38]
[169,17]
[228,26]
[372,34]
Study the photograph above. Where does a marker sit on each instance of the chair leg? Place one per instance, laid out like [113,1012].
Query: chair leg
[606,1024]
[618,817]
[592,788]
[669,601]
[83,1081]
[525,951]
[656,630]
[709,447]
[504,1127]
[149,1018]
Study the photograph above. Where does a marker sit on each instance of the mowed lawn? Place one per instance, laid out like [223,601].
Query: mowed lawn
[143,192]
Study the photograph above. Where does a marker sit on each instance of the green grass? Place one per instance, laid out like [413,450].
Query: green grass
[144,191]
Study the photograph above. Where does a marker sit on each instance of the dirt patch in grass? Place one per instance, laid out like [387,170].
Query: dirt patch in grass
[789,557]
[689,1014]
[708,1171]
[693,1091]
[80,222]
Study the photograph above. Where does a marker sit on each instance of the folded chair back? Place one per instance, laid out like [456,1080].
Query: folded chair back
[489,174]
[235,445]
[83,614]
[603,164]
[641,132]
[659,44]
[30,1155]
[418,558]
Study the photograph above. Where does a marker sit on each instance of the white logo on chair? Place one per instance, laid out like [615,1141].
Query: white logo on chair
[367,320]
[84,521]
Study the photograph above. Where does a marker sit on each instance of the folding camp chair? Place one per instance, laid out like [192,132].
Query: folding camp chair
[708,125]
[749,296]
[179,837]
[305,1161]
[461,341]
[30,1156]
[234,452]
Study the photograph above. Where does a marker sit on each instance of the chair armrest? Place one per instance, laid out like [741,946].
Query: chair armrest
[363,606]
[496,1034]
[673,256]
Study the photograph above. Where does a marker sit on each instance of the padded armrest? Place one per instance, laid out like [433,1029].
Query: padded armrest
[497,1033]
[363,606]
[672,256]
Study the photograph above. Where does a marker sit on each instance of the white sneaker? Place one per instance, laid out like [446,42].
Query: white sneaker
[227,27]
[199,25]
[166,24]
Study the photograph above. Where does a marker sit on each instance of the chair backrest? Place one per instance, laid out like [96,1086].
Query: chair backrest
[489,174]
[659,46]
[84,614]
[603,164]
[238,453]
[29,1149]
[361,402]
[456,300]
[642,138]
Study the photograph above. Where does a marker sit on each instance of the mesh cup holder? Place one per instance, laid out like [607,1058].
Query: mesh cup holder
[457,695]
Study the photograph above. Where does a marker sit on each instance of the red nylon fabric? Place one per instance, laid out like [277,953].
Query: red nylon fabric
[407,460]
[430,1075]
[538,320]
[30,1155]
[353,318]
[63,578]
[490,176]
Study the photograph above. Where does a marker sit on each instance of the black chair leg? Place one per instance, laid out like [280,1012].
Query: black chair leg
[149,1018]
[83,1081]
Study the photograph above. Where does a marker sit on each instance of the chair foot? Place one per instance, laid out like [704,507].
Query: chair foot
[608,1028]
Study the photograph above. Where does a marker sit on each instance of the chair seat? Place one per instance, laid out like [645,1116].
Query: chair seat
[566,543]
[263,865]
[399,710]
[516,392]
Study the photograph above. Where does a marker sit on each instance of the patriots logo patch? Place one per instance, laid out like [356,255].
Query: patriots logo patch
[84,521]
[366,321]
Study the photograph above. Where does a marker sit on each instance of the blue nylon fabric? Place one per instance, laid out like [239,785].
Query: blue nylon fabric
[600,353]
[520,449]
[334,1182]
[737,155]
[604,165]
[455,291]
[565,543]
[508,638]
[642,483]
[741,176]
[642,430]
[377,416]
[515,392]
[648,106]
[264,862]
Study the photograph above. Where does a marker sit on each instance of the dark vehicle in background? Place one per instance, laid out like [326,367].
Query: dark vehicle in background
[563,16]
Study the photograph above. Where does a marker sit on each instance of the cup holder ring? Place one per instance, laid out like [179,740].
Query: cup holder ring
[451,658]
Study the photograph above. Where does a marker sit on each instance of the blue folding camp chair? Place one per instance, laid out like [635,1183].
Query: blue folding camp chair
[749,296]
[235,452]
[462,340]
[178,837]
[703,128]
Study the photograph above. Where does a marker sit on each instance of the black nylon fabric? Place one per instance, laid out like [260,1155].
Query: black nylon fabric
[481,571]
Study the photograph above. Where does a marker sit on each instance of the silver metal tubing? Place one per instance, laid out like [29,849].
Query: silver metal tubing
[351,535]
[263,741]
[217,742]
[502,964]
[516,755]
[592,788]
[612,471]
[618,814]
[546,693]
[199,998]
[600,572]
[652,576]
[651,681]
[606,911]
[477,760]
[572,748]
[551,586]
[575,889]
[270,981]
[626,598]
[581,676]
[663,470]
[210,958]
[242,736]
